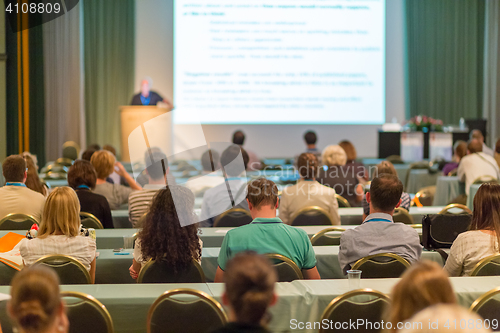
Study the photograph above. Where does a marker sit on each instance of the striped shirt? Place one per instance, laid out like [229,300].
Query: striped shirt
[140,201]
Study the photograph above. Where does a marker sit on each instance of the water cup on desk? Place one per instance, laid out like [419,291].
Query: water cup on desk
[128,242]
[354,276]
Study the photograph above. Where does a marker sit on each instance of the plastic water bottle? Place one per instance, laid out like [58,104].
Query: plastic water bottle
[462,124]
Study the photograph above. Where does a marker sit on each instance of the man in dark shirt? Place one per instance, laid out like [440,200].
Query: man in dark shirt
[148,97]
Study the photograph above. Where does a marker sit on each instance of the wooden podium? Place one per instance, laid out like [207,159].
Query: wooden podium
[133,116]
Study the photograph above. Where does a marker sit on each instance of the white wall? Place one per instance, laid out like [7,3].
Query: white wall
[154,57]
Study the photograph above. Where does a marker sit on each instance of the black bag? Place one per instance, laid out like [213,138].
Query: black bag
[440,230]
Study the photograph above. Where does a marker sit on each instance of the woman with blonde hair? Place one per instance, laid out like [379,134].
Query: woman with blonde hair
[422,285]
[483,237]
[35,305]
[249,291]
[59,232]
[343,179]
[105,164]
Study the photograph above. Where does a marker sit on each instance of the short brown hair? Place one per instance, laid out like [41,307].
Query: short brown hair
[475,146]
[14,168]
[308,165]
[82,173]
[103,162]
[460,148]
[385,192]
[385,167]
[109,148]
[349,150]
[262,192]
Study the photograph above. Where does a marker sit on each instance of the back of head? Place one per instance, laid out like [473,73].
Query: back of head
[210,160]
[35,298]
[422,285]
[385,167]
[460,148]
[229,155]
[262,192]
[334,155]
[442,314]
[486,215]
[33,181]
[349,149]
[238,138]
[310,138]
[158,169]
[385,192]
[497,147]
[476,135]
[82,173]
[249,280]
[87,154]
[103,162]
[475,146]
[94,146]
[61,213]
[110,148]
[13,168]
[167,233]
[307,164]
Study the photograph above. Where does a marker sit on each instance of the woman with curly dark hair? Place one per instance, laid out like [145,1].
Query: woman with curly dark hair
[169,232]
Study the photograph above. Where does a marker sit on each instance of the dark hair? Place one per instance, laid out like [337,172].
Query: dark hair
[262,192]
[33,181]
[238,138]
[158,169]
[163,237]
[349,149]
[82,173]
[385,192]
[35,298]
[460,148]
[210,160]
[486,215]
[229,155]
[497,146]
[475,146]
[14,167]
[94,146]
[307,164]
[249,280]
[109,148]
[87,155]
[310,138]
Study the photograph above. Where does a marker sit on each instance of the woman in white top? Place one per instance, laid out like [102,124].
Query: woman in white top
[169,231]
[59,232]
[308,192]
[483,238]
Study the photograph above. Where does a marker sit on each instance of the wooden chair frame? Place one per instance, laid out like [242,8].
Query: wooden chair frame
[309,208]
[151,262]
[483,262]
[64,258]
[95,303]
[361,261]
[288,261]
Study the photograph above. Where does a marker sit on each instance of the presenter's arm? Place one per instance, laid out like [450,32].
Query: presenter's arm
[120,169]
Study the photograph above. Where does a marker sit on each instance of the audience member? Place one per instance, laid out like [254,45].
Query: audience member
[352,155]
[15,196]
[36,305]
[388,168]
[249,290]
[59,232]
[33,181]
[343,179]
[308,192]
[459,151]
[253,160]
[82,178]
[422,285]
[211,175]
[87,154]
[482,239]
[478,135]
[311,138]
[434,319]
[139,201]
[267,233]
[104,163]
[497,152]
[94,146]
[476,165]
[169,232]
[378,232]
[229,194]
[113,178]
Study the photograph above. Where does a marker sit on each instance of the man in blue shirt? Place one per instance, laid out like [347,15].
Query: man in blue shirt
[378,233]
[147,96]
[267,233]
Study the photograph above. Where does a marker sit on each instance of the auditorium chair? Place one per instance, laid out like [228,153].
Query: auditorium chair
[90,221]
[401,215]
[234,217]
[17,222]
[69,270]
[489,266]
[343,203]
[488,305]
[449,210]
[311,215]
[322,238]
[381,265]
[286,268]
[157,271]
[185,310]
[368,305]
[71,150]
[86,314]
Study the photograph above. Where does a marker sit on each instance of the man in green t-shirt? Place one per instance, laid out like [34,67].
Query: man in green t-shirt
[267,233]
